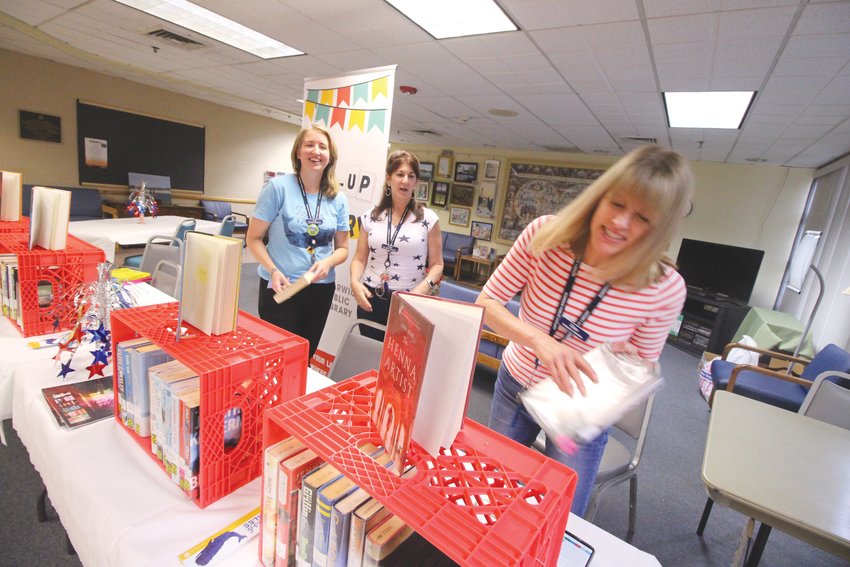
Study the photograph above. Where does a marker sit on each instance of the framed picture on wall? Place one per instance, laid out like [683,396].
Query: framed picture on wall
[440,195]
[459,216]
[426,170]
[486,204]
[421,192]
[444,166]
[466,172]
[482,230]
[537,189]
[462,194]
[491,169]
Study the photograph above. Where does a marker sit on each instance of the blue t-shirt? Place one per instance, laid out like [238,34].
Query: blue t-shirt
[280,203]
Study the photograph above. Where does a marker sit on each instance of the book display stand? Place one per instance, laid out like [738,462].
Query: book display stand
[484,501]
[255,367]
[65,270]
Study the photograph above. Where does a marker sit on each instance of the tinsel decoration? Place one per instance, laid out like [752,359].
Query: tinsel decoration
[141,203]
[93,302]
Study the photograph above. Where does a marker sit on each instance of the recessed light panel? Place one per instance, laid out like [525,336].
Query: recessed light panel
[191,16]
[453,18]
[724,110]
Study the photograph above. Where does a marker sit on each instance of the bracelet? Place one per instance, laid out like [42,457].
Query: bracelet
[273,270]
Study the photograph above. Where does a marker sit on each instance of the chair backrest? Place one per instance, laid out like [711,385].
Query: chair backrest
[635,423]
[228,223]
[166,278]
[216,210]
[185,226]
[828,401]
[356,353]
[161,248]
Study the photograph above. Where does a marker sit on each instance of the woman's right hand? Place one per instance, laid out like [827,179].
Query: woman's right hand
[278,281]
[563,362]
[361,296]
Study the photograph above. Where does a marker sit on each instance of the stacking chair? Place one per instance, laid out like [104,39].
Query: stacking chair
[166,277]
[357,353]
[135,262]
[157,249]
[619,461]
[228,224]
[218,210]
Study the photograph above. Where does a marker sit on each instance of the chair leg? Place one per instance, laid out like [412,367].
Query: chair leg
[632,508]
[705,513]
[41,507]
[758,545]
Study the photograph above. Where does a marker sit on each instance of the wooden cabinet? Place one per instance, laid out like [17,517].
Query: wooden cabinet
[708,322]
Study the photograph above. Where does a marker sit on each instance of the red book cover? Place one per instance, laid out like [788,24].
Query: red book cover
[400,376]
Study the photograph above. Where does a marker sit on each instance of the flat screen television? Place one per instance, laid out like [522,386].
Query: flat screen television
[719,269]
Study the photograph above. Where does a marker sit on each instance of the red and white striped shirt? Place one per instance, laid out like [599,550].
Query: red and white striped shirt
[643,317]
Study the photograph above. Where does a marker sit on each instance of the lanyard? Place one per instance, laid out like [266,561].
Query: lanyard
[574,328]
[390,246]
[312,220]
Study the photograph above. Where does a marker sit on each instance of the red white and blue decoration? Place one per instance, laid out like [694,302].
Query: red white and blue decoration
[141,203]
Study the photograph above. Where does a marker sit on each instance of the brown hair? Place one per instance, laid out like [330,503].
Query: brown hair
[395,160]
[662,179]
[329,185]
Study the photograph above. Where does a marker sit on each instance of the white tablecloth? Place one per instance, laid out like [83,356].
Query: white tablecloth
[107,233]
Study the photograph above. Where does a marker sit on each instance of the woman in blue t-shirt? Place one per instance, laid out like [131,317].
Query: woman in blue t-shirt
[306,219]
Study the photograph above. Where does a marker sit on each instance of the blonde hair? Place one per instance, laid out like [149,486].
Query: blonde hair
[329,185]
[658,177]
[395,160]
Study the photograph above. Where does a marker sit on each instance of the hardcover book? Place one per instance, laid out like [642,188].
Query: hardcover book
[140,359]
[210,291]
[49,215]
[272,457]
[310,487]
[188,462]
[394,543]
[290,477]
[365,517]
[10,196]
[425,374]
[81,402]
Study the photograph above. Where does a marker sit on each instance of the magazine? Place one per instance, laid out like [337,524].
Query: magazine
[81,403]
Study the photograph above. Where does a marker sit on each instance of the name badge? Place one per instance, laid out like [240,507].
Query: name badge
[573,329]
[389,247]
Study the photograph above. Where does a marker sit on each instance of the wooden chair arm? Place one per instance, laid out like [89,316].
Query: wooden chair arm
[494,338]
[765,352]
[109,210]
[766,372]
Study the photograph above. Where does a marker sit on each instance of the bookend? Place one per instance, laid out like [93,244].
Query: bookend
[484,501]
[65,270]
[255,367]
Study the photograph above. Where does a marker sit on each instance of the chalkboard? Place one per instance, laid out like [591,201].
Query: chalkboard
[111,143]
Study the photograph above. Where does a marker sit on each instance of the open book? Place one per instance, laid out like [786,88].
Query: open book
[210,292]
[10,196]
[49,215]
[426,372]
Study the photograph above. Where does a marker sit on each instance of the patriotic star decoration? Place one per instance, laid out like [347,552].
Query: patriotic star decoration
[66,369]
[100,334]
[95,368]
[100,356]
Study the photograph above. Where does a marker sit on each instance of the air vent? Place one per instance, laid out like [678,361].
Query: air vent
[426,132]
[175,40]
[564,149]
[638,140]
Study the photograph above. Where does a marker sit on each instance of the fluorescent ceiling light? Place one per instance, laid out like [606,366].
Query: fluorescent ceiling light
[193,17]
[455,18]
[707,109]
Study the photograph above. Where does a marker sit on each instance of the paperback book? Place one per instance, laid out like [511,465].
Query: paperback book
[425,373]
[223,542]
[81,403]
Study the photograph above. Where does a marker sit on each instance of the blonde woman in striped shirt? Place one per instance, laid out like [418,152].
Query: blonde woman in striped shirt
[595,272]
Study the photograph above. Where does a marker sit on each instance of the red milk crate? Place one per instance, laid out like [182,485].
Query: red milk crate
[22,225]
[484,501]
[255,367]
[65,270]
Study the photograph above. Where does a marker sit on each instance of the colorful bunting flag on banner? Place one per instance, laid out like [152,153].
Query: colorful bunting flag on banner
[338,107]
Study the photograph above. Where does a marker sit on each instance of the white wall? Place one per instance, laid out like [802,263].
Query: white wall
[239,146]
[756,206]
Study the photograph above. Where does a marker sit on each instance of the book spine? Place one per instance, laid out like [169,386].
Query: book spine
[130,410]
[338,539]
[321,530]
[153,385]
[195,452]
[360,526]
[288,497]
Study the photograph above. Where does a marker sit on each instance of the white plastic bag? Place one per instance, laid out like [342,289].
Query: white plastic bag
[742,356]
[624,381]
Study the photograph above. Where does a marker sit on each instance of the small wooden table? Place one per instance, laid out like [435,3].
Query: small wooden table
[477,262]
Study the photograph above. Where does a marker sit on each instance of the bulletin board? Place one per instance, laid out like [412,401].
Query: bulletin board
[111,143]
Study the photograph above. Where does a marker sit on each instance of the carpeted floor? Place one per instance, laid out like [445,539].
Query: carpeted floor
[670,493]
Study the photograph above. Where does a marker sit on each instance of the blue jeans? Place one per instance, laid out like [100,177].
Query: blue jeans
[509,417]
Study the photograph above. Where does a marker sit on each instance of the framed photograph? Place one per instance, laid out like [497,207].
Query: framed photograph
[440,195]
[491,169]
[482,230]
[426,170]
[459,216]
[466,172]
[444,166]
[421,192]
[41,127]
[462,195]
[537,189]
[486,204]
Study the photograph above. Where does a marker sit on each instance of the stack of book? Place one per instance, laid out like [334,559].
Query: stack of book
[313,515]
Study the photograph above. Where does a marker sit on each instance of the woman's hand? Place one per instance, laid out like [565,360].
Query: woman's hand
[321,269]
[361,296]
[563,362]
[278,281]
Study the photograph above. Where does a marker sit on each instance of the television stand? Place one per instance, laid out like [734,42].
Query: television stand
[709,322]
